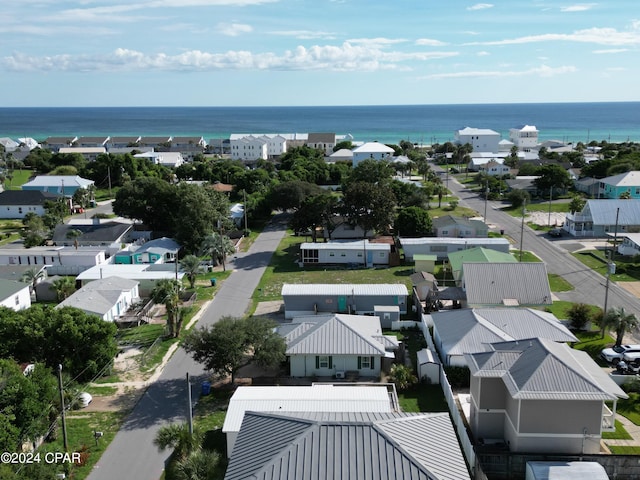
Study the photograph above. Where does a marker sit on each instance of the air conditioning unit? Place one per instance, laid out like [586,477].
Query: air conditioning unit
[340,375]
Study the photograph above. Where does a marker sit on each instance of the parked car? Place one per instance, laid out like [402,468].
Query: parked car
[631,357]
[555,232]
[615,354]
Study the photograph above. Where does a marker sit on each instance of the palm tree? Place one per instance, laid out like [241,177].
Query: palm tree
[167,291]
[74,233]
[198,465]
[64,287]
[32,276]
[440,190]
[178,437]
[620,321]
[217,247]
[190,264]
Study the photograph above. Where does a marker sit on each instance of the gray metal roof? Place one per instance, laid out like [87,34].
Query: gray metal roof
[603,212]
[344,447]
[9,288]
[99,296]
[539,369]
[336,335]
[492,283]
[26,197]
[470,330]
[315,289]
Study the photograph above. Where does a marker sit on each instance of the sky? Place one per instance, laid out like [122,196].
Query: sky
[316,52]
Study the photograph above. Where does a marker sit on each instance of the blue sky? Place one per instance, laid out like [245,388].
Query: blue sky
[316,52]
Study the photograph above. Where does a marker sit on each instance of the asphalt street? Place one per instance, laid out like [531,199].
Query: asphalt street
[132,455]
[588,286]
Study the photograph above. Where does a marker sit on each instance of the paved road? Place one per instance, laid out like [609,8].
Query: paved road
[589,287]
[132,454]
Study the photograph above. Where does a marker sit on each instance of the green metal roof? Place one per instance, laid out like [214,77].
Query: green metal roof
[478,255]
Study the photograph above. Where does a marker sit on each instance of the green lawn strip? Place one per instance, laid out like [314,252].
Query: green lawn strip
[593,343]
[622,450]
[100,391]
[423,398]
[630,407]
[627,270]
[559,284]
[143,335]
[620,433]
[19,178]
[526,256]
[560,207]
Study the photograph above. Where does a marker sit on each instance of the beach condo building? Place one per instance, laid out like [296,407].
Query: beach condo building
[322,141]
[525,137]
[249,148]
[481,139]
[372,151]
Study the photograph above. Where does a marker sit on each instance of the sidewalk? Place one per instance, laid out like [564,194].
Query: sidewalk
[632,429]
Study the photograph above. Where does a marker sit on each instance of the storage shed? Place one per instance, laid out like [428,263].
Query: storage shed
[387,314]
[428,366]
[424,263]
[309,299]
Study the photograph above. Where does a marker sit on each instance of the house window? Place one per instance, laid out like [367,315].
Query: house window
[365,362]
[445,232]
[331,254]
[324,361]
[17,300]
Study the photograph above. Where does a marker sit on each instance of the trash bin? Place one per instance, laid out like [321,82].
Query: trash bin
[501,231]
[213,282]
[206,388]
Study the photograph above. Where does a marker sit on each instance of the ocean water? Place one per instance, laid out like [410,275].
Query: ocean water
[424,124]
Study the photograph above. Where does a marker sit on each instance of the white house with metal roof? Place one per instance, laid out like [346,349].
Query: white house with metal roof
[630,244]
[309,398]
[481,139]
[62,184]
[458,332]
[443,246]
[624,183]
[539,396]
[336,346]
[148,275]
[108,298]
[358,252]
[347,446]
[525,137]
[15,295]
[598,218]
[372,151]
[311,298]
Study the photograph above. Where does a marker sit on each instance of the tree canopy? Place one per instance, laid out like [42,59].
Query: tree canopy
[413,222]
[369,205]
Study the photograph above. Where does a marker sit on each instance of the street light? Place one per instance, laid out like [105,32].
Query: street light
[524,211]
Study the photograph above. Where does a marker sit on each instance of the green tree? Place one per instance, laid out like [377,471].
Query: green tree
[315,212]
[577,204]
[517,198]
[35,232]
[621,322]
[32,276]
[290,195]
[177,437]
[232,343]
[402,376]
[371,171]
[440,190]
[64,287]
[369,205]
[413,222]
[579,315]
[217,247]
[190,265]
[168,291]
[552,176]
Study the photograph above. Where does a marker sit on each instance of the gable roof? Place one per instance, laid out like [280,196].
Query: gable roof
[99,296]
[470,330]
[604,212]
[626,179]
[26,197]
[103,232]
[373,147]
[360,289]
[160,245]
[347,446]
[539,369]
[445,220]
[321,138]
[493,283]
[59,180]
[334,335]
[478,255]
[9,288]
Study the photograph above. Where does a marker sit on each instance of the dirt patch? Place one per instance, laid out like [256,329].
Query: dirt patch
[124,399]
[632,287]
[542,218]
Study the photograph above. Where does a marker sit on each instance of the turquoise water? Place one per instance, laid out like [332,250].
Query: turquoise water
[569,122]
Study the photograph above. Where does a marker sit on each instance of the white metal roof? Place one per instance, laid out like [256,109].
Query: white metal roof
[355,245]
[363,289]
[57,180]
[454,241]
[314,398]
[373,147]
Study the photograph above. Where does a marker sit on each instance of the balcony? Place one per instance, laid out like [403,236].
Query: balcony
[608,419]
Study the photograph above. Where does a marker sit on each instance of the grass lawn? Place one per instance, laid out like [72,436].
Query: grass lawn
[620,433]
[621,450]
[525,257]
[561,207]
[559,284]
[20,177]
[284,268]
[593,343]
[423,398]
[596,261]
[630,407]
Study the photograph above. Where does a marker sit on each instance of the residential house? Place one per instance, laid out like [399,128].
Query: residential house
[276,145]
[160,250]
[166,159]
[475,255]
[342,155]
[507,284]
[523,182]
[443,246]
[56,143]
[343,229]
[599,218]
[108,298]
[17,273]
[9,144]
[84,142]
[322,141]
[155,142]
[313,298]
[347,446]
[332,345]
[89,153]
[316,398]
[249,148]
[17,203]
[188,142]
[459,332]
[630,244]
[459,227]
[525,137]
[588,185]
[147,275]
[15,295]
[481,139]
[61,184]
[495,168]
[123,142]
[479,160]
[108,233]
[536,395]
[372,151]
[358,252]
[58,260]
[627,183]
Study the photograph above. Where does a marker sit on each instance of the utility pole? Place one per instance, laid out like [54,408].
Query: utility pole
[486,200]
[223,254]
[246,228]
[65,440]
[550,199]
[109,176]
[190,414]
[524,211]
[611,266]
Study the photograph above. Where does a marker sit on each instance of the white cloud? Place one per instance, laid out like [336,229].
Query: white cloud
[304,34]
[577,8]
[345,57]
[480,6]
[482,54]
[429,42]
[541,71]
[610,50]
[233,29]
[601,36]
[379,41]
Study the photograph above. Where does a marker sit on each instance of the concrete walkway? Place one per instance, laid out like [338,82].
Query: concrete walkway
[632,429]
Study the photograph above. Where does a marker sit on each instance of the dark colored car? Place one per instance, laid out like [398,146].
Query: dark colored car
[555,232]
